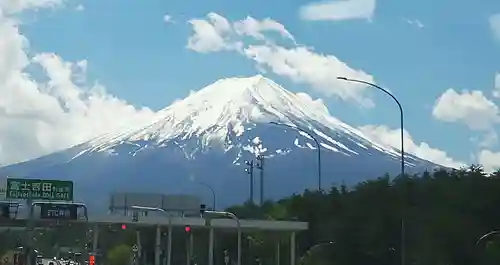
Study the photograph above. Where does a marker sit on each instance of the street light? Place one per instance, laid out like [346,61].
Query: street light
[211,190]
[169,238]
[311,249]
[483,237]
[215,214]
[318,146]
[487,235]
[401,120]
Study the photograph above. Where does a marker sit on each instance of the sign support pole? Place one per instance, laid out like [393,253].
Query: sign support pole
[210,244]
[30,227]
[158,245]
[191,247]
[169,242]
[95,239]
[135,249]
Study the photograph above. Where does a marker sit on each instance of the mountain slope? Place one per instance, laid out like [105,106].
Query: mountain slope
[207,136]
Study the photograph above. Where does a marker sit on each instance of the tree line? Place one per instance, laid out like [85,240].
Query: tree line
[444,213]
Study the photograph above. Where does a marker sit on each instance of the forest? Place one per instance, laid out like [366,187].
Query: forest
[444,213]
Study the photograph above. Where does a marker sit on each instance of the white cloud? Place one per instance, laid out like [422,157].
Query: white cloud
[302,65]
[316,104]
[216,33]
[416,23]
[41,117]
[490,160]
[297,63]
[471,108]
[211,35]
[337,10]
[9,7]
[490,138]
[168,19]
[496,90]
[80,8]
[477,112]
[495,25]
[387,136]
[255,28]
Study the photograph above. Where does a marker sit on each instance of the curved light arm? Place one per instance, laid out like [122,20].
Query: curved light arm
[297,129]
[144,208]
[375,86]
[311,249]
[318,146]
[213,193]
[320,245]
[486,236]
[154,209]
[212,214]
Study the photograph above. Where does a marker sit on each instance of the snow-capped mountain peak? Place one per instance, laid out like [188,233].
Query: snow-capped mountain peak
[253,98]
[227,103]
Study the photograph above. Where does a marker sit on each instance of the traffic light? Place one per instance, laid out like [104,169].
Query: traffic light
[6,211]
[187,229]
[124,226]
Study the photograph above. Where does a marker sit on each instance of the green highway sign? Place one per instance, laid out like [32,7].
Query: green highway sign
[38,189]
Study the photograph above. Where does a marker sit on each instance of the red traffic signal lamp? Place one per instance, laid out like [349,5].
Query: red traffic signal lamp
[124,226]
[187,229]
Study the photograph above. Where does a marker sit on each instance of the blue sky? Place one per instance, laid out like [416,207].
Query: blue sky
[417,49]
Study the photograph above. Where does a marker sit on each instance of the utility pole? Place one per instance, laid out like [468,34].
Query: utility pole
[260,166]
[249,171]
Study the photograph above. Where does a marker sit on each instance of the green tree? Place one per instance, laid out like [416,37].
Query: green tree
[119,255]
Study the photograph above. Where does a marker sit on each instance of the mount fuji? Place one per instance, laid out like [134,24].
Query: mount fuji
[205,139]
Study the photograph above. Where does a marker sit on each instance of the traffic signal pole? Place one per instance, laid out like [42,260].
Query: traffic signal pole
[191,249]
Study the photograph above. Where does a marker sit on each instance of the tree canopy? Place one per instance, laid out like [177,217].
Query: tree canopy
[443,213]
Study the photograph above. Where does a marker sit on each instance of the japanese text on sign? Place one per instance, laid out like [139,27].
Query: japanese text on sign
[57,211]
[37,189]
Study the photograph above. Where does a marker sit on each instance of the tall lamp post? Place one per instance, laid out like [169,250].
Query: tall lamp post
[212,191]
[318,146]
[401,120]
[169,238]
[216,214]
